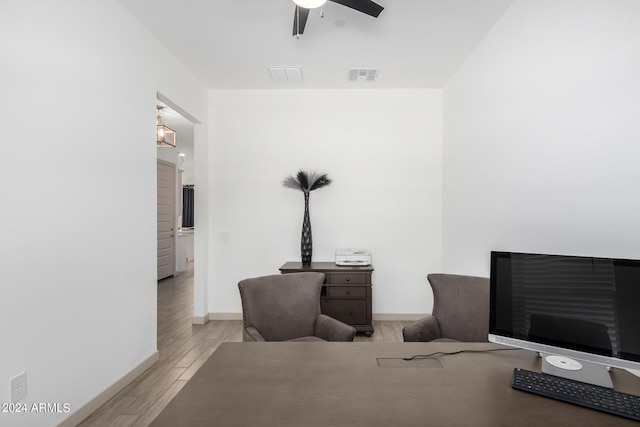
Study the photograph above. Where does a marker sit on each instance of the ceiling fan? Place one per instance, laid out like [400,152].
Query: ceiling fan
[303,6]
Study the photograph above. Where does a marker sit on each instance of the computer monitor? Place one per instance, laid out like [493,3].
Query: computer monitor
[582,314]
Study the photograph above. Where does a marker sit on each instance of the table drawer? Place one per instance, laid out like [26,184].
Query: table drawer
[347,291]
[352,312]
[346,278]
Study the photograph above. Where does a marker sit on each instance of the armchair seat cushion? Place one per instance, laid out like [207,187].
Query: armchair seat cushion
[305,339]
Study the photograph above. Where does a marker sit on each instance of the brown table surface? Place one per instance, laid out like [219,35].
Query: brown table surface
[367,384]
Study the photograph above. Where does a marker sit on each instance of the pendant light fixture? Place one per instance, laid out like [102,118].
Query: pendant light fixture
[165,136]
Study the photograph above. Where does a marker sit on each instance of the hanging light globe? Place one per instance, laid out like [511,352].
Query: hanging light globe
[309,4]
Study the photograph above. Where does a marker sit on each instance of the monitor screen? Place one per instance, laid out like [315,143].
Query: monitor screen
[581,307]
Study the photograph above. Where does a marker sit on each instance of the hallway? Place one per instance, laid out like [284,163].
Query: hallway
[183,348]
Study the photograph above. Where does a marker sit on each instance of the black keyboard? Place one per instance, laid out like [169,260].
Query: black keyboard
[587,395]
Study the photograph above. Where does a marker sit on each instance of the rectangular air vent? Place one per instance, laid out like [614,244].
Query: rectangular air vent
[362,74]
[285,74]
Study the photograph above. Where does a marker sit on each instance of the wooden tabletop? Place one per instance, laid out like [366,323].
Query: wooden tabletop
[369,385]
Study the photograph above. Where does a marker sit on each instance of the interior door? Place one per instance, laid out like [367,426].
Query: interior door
[166,219]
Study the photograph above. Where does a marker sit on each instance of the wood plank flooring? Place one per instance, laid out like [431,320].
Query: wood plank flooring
[183,349]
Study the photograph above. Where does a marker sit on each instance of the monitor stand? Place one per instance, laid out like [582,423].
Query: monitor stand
[586,372]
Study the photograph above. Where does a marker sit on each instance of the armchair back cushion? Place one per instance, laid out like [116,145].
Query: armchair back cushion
[461,305]
[282,307]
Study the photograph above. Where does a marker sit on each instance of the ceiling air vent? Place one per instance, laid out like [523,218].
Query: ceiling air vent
[362,75]
[286,74]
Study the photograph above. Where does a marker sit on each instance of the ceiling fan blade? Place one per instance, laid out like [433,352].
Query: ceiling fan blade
[364,6]
[300,18]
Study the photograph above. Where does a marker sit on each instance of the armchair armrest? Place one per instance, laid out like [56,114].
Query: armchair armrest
[425,329]
[330,329]
[251,334]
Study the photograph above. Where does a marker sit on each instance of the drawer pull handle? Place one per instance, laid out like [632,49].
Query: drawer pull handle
[348,292]
[350,311]
[348,278]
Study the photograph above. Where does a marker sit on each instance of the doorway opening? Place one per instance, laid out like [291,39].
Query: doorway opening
[176,173]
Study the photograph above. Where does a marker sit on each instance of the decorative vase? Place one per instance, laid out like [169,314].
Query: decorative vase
[306,243]
[306,182]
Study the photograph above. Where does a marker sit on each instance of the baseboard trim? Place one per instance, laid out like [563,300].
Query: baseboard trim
[225,316]
[376,316]
[90,407]
[200,320]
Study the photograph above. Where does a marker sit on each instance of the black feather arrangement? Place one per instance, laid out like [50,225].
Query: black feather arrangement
[306,181]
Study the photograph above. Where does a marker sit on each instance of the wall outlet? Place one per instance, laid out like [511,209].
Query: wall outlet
[18,387]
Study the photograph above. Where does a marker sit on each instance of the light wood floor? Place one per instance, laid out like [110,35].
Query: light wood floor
[183,349]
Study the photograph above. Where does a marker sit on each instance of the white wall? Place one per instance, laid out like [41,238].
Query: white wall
[541,129]
[383,150]
[78,247]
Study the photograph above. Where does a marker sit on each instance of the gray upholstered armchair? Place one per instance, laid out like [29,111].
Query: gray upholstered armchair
[460,310]
[286,307]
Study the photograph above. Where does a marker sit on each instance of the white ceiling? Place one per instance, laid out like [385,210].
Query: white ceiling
[228,44]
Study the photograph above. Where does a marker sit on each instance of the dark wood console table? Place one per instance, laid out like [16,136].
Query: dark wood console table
[346,294]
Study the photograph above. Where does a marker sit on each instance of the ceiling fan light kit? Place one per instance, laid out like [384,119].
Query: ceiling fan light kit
[301,13]
[310,4]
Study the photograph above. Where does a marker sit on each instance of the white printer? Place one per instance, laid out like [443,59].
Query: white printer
[353,257]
